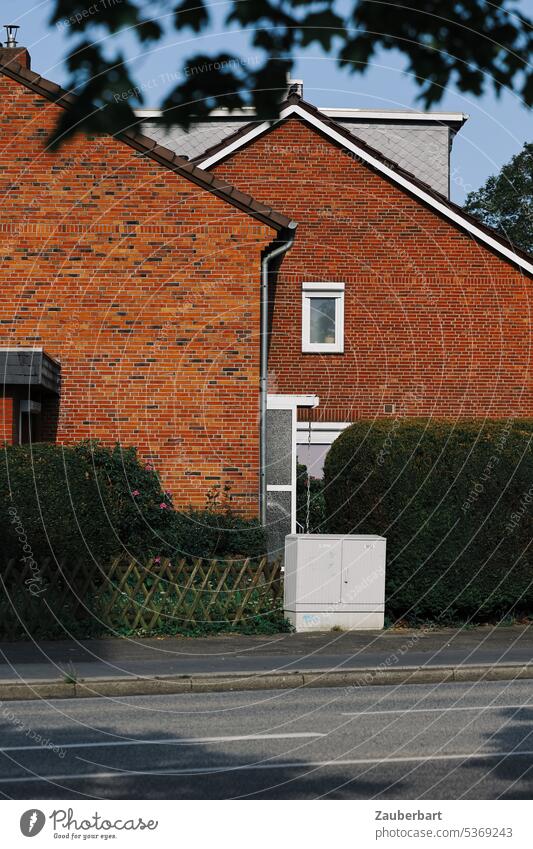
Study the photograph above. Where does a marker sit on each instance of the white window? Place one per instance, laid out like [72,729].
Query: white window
[313,441]
[323,317]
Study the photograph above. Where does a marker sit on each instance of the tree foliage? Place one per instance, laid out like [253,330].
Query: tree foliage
[471,44]
[505,202]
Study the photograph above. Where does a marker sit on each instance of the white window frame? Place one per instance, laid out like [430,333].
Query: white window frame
[323,290]
[290,402]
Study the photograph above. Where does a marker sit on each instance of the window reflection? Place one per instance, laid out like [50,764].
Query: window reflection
[322,320]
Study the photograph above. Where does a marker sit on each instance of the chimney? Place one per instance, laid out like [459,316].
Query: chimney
[295,87]
[10,52]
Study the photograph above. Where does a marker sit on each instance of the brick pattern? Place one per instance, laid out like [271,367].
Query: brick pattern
[435,324]
[146,288]
[15,56]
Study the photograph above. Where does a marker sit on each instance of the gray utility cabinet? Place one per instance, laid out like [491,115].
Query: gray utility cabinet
[334,580]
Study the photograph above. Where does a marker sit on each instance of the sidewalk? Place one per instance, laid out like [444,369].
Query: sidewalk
[129,666]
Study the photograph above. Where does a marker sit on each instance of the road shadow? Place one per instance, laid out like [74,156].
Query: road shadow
[512,766]
[206,770]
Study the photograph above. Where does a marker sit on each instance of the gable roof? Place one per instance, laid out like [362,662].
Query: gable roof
[295,107]
[150,148]
[418,141]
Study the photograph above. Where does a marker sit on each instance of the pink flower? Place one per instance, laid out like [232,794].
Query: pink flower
[135,492]
[163,506]
[149,467]
[157,560]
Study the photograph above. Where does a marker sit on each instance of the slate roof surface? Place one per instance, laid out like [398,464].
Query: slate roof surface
[421,149]
[200,137]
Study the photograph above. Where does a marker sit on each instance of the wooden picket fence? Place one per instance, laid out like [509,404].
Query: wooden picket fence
[134,598]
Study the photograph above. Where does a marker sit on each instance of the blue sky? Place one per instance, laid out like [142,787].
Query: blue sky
[497,127]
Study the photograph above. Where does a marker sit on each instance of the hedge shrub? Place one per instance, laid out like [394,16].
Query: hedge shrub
[87,502]
[453,499]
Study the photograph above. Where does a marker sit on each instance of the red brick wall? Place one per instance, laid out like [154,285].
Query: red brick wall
[15,56]
[434,323]
[146,288]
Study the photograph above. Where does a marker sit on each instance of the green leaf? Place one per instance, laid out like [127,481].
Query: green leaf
[505,202]
[192,14]
[321,27]
[471,45]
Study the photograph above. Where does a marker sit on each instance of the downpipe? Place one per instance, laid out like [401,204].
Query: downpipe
[263,379]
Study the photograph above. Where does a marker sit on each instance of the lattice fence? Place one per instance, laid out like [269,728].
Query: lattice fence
[131,598]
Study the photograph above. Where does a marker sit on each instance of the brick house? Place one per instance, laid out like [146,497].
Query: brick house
[391,301]
[386,299]
[130,303]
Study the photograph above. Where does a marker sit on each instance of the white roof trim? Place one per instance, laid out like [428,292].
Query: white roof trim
[397,115]
[290,402]
[411,187]
[246,112]
[375,114]
[254,131]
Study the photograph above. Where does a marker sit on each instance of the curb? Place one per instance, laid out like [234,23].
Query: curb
[235,682]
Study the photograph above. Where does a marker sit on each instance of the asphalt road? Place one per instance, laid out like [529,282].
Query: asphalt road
[446,741]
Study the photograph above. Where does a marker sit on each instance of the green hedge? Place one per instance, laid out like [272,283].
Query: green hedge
[90,503]
[454,501]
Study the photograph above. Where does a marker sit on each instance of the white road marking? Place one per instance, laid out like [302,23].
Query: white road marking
[180,741]
[206,770]
[480,708]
